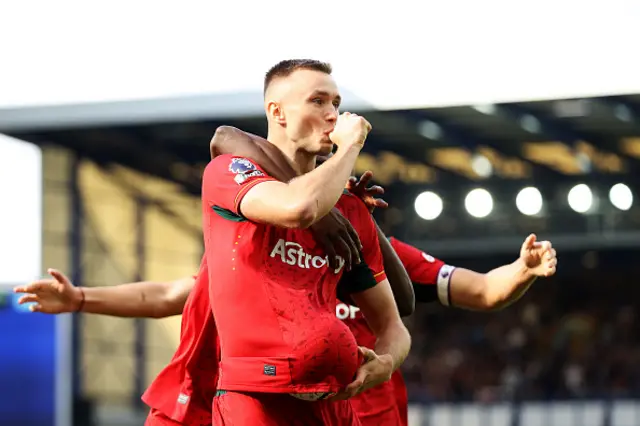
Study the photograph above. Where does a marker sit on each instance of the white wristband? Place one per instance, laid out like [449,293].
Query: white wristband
[444,277]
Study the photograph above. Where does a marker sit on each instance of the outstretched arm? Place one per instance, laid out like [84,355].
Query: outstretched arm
[145,299]
[434,280]
[503,286]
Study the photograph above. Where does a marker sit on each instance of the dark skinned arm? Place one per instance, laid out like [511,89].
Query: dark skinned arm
[230,140]
[399,279]
[401,284]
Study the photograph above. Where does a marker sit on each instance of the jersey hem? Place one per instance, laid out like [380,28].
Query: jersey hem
[265,374]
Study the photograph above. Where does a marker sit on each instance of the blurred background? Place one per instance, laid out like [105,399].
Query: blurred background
[490,121]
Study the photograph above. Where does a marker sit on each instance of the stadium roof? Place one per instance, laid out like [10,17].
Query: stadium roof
[597,138]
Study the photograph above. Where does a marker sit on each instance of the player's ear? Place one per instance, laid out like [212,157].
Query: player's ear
[275,112]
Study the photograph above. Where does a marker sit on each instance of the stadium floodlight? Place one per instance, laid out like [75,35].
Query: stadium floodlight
[621,196]
[580,198]
[529,201]
[478,203]
[428,205]
[481,165]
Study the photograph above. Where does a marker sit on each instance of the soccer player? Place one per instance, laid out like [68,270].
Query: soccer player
[433,280]
[271,293]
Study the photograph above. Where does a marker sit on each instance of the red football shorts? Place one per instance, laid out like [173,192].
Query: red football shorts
[263,409]
[402,399]
[388,417]
[377,406]
[156,418]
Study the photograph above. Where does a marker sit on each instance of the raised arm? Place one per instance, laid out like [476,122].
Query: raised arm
[333,231]
[296,204]
[145,299]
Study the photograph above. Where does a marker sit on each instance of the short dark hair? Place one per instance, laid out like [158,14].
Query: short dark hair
[287,67]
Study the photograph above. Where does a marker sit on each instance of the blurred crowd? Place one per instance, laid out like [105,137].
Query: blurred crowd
[563,340]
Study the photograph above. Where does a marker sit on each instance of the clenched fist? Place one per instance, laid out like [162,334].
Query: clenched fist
[351,129]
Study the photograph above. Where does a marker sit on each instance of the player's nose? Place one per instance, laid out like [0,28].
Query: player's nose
[332,115]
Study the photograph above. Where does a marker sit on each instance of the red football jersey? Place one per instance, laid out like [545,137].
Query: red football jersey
[430,278]
[184,389]
[273,294]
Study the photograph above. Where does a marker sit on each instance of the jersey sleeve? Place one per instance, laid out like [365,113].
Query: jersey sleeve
[227,179]
[370,271]
[431,277]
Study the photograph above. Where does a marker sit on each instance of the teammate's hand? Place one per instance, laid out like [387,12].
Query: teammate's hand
[539,257]
[375,370]
[337,237]
[350,130]
[51,296]
[367,194]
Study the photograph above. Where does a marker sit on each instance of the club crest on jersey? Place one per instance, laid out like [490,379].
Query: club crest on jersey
[243,170]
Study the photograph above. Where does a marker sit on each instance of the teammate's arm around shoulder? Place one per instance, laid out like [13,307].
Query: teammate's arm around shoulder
[231,183]
[230,140]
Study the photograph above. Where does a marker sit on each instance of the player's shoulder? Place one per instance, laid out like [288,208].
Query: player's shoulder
[234,163]
[405,250]
[241,168]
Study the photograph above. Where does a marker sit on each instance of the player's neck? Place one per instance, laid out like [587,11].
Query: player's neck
[303,161]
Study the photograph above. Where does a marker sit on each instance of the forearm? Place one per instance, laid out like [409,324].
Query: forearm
[399,280]
[142,300]
[321,188]
[395,342]
[507,284]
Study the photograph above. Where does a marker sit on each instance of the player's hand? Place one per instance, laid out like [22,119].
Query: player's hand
[51,296]
[350,130]
[539,257]
[367,194]
[337,237]
[375,370]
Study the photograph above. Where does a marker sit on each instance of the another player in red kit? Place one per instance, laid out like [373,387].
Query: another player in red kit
[433,280]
